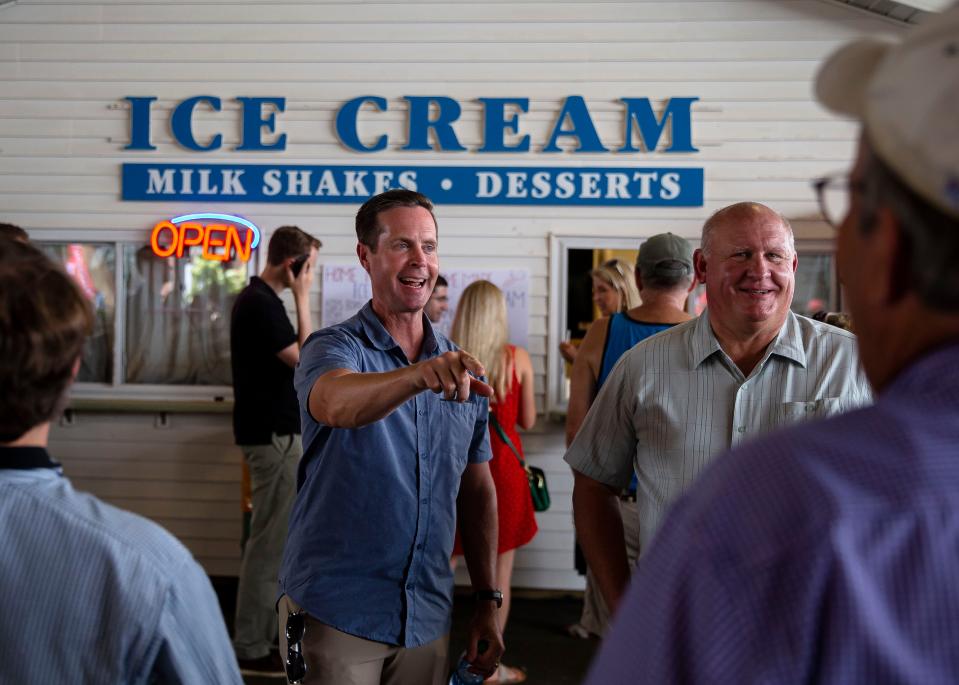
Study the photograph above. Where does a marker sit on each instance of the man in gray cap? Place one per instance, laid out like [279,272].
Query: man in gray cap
[830,552]
[664,277]
[678,399]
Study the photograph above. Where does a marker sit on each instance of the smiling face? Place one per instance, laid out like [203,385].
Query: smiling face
[606,297]
[404,266]
[749,269]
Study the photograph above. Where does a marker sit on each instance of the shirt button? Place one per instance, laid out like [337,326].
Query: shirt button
[424,501]
[410,586]
[742,429]
[422,412]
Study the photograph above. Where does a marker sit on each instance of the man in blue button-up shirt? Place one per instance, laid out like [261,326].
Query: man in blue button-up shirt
[386,470]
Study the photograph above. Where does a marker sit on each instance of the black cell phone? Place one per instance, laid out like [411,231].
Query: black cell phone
[297,266]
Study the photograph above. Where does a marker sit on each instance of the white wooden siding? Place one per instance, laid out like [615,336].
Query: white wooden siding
[66,67]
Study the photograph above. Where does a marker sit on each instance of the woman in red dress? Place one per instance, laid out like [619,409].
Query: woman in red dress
[480,328]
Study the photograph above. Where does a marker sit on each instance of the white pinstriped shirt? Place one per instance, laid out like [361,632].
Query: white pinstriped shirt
[676,400]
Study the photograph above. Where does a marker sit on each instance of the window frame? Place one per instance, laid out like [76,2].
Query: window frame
[120,395]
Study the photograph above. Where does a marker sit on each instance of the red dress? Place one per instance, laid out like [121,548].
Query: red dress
[517,523]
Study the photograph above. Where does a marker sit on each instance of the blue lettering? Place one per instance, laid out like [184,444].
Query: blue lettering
[420,123]
[140,123]
[254,122]
[182,123]
[678,111]
[583,129]
[346,124]
[495,124]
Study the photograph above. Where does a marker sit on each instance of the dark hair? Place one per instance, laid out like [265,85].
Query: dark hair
[368,228]
[440,282]
[13,232]
[930,237]
[290,241]
[44,321]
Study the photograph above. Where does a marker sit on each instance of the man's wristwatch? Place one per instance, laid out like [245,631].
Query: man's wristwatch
[489,596]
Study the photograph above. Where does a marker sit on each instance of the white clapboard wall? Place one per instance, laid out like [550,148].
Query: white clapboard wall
[66,67]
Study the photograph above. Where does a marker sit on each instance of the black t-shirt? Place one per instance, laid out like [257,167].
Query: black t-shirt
[264,399]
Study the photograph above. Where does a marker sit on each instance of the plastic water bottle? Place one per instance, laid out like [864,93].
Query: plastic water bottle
[463,676]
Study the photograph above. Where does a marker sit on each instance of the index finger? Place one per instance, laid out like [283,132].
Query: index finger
[472,364]
[480,388]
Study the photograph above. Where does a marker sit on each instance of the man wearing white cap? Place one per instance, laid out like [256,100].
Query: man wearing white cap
[829,552]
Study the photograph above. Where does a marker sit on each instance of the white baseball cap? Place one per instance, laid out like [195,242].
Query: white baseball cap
[906,94]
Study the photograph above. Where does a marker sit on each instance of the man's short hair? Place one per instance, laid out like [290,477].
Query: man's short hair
[440,282]
[13,232]
[290,241]
[368,227]
[44,321]
[930,249]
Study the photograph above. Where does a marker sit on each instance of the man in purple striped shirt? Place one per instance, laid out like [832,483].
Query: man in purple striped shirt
[829,552]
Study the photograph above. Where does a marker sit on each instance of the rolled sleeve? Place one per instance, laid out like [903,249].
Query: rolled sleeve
[605,447]
[324,351]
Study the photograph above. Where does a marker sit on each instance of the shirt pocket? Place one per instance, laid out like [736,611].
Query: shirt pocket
[794,412]
[453,430]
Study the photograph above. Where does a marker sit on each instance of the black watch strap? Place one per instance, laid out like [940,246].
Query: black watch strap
[490,596]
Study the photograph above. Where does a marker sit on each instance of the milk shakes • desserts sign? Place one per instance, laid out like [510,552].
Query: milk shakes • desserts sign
[645,130]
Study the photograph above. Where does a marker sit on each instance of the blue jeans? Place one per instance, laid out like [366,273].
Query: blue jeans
[273,485]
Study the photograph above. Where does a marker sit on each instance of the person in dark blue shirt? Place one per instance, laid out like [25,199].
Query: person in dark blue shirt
[395,439]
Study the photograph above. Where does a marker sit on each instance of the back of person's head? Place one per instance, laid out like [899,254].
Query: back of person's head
[290,241]
[13,232]
[368,228]
[44,321]
[906,95]
[480,327]
[665,262]
[618,274]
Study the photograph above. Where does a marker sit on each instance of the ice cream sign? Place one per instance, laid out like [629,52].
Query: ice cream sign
[220,237]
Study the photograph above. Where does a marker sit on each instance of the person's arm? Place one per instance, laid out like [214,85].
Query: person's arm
[599,530]
[300,287]
[343,398]
[582,387]
[194,646]
[527,400]
[476,513]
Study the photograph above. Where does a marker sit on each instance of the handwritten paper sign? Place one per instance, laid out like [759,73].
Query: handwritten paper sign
[346,288]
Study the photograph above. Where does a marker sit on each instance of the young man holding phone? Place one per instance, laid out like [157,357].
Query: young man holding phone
[266,425]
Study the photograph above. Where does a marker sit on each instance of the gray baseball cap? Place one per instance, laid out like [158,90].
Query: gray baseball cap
[665,254]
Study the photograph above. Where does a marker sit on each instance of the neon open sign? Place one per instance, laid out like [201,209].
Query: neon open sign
[216,234]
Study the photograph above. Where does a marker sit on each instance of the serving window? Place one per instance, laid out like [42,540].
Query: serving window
[161,324]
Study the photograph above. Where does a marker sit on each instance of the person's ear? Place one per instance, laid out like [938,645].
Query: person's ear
[699,264]
[363,253]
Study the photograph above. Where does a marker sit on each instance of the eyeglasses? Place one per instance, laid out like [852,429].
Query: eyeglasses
[834,192]
[295,630]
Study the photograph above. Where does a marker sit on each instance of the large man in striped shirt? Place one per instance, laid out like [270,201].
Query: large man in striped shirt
[746,366]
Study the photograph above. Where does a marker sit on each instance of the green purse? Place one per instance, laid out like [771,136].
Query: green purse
[535,476]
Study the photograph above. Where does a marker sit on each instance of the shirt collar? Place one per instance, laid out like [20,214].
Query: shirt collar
[26,458]
[382,340]
[788,342]
[260,284]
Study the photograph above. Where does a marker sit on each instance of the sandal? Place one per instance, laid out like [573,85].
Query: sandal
[506,675]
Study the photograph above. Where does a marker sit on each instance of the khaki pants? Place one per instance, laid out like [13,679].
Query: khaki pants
[336,658]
